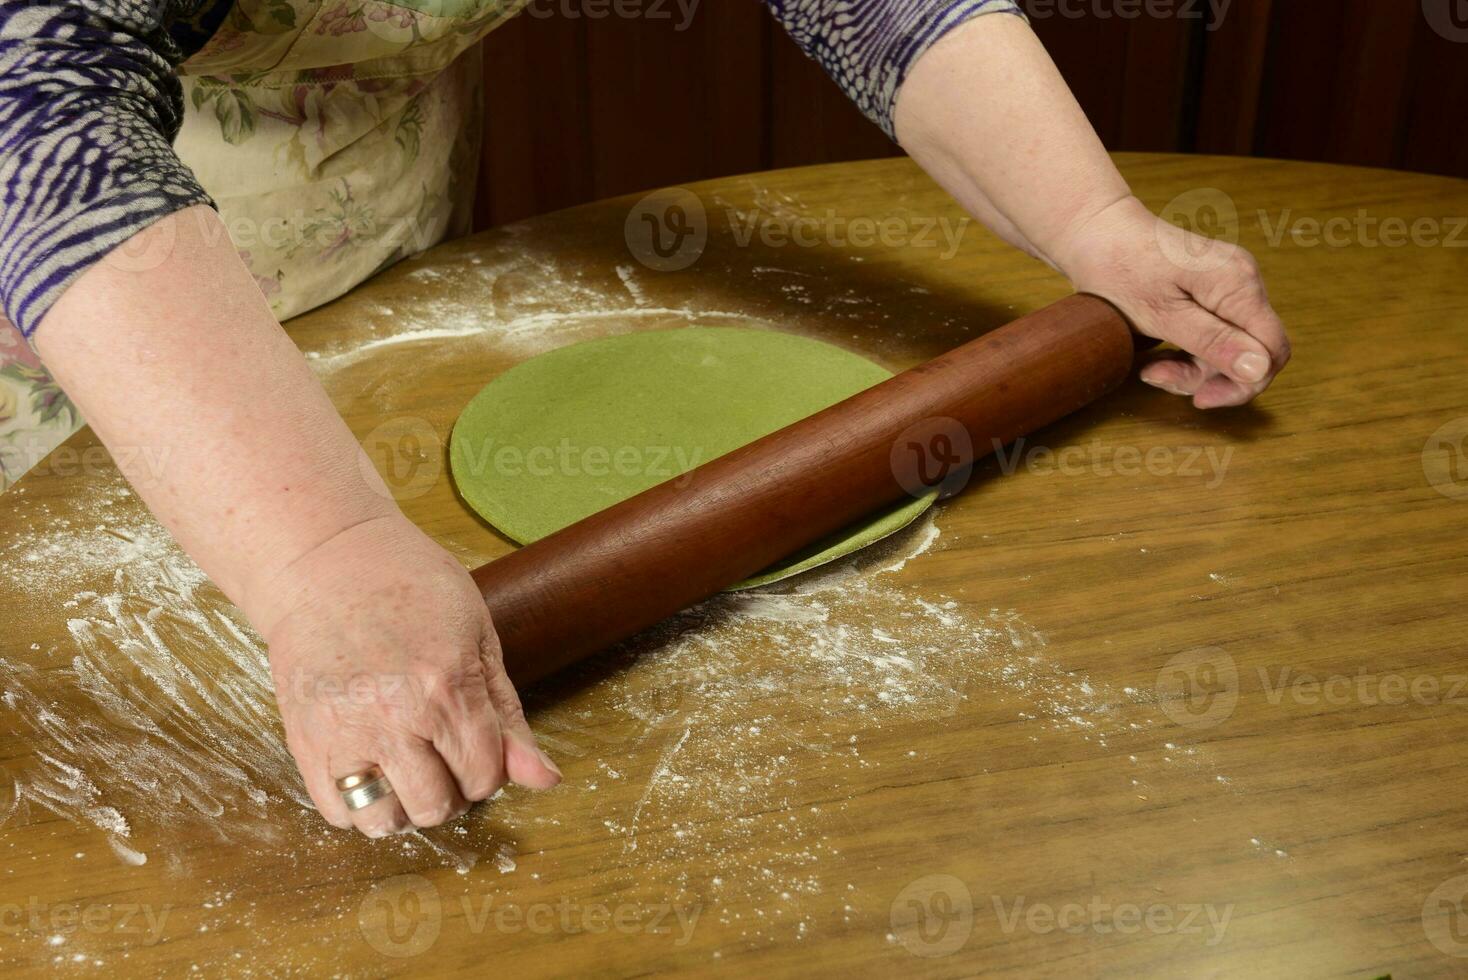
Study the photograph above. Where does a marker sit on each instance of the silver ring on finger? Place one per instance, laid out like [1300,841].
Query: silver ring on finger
[361,790]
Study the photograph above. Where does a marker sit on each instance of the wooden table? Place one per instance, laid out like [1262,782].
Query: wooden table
[1184,697]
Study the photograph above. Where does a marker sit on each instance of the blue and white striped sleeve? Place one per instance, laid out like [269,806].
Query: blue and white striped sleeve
[868,46]
[89,106]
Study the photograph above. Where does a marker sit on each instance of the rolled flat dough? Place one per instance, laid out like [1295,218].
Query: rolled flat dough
[575,430]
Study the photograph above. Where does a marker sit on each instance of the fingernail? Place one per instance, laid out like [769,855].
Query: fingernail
[549,762]
[1251,366]
[1163,387]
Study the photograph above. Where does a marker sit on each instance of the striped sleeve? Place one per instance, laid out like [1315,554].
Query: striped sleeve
[89,107]
[868,46]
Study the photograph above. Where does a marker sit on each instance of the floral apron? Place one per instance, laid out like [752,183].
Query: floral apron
[336,137]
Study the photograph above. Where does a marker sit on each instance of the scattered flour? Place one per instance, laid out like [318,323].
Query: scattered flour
[522,301]
[158,710]
[726,745]
[628,275]
[731,744]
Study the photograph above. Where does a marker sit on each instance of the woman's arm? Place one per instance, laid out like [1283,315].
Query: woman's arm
[986,113]
[978,103]
[380,645]
[89,106]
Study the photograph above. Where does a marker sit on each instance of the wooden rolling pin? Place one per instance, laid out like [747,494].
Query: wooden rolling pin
[625,568]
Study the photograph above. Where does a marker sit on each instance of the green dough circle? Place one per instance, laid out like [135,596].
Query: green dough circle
[578,429]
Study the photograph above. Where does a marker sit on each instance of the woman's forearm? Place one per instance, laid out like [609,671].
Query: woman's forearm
[176,361]
[987,114]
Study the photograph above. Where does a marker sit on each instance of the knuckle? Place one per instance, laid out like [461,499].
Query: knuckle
[440,811]
[1242,263]
[1216,342]
[1156,306]
[484,787]
[512,714]
[382,826]
[492,656]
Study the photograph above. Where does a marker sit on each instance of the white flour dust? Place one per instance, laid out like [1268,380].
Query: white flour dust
[744,721]
[526,302]
[736,748]
[158,709]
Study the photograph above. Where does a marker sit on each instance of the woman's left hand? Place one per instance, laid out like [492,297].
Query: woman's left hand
[1204,296]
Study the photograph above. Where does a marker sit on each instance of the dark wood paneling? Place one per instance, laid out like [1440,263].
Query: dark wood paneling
[1334,87]
[579,109]
[1155,80]
[669,104]
[1435,133]
[1092,55]
[537,134]
[1233,71]
[812,121]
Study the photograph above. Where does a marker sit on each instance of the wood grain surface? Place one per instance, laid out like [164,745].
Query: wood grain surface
[1166,694]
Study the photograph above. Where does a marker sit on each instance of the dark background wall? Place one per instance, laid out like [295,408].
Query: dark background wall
[580,108]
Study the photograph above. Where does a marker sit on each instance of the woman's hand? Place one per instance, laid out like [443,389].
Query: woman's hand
[987,114]
[1202,295]
[383,654]
[381,646]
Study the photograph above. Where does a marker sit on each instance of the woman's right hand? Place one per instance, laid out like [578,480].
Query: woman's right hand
[383,654]
[380,644]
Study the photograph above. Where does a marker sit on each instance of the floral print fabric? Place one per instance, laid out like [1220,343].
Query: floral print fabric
[334,136]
